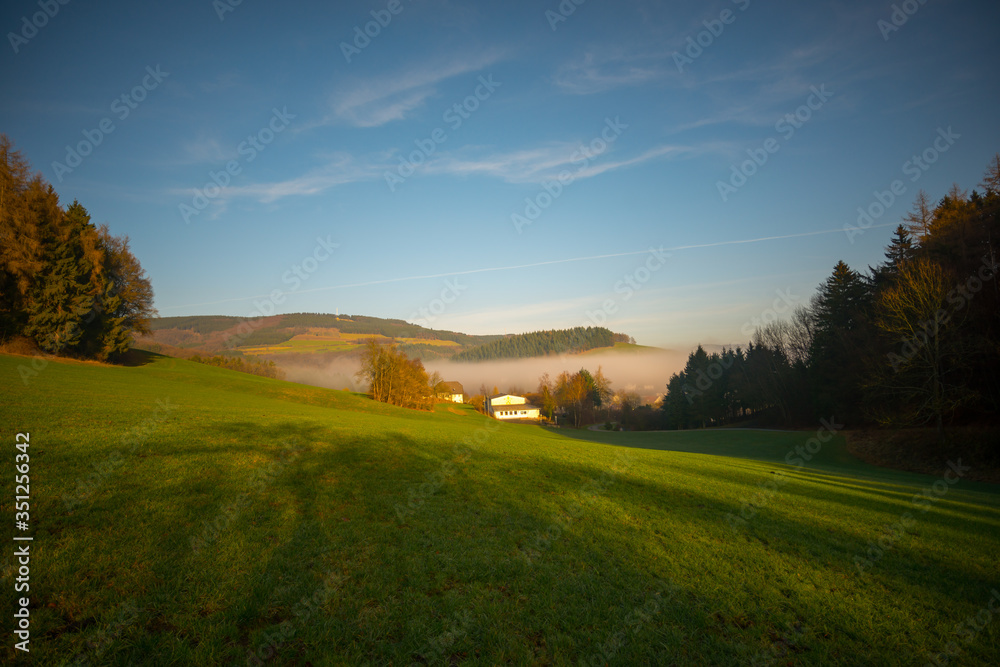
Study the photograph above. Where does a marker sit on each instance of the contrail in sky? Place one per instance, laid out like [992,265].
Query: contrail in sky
[526,266]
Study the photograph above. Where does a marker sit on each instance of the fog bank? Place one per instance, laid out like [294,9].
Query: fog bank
[645,372]
[321,371]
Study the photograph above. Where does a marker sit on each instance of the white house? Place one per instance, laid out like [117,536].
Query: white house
[453,391]
[508,406]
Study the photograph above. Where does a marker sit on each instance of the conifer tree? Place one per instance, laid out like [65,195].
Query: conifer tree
[70,287]
[838,350]
[64,294]
[899,252]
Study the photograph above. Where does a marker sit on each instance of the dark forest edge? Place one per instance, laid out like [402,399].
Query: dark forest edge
[911,342]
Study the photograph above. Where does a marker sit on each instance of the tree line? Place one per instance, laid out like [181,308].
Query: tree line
[579,395]
[203,324]
[542,343]
[581,398]
[394,378]
[72,288]
[914,341]
[252,365]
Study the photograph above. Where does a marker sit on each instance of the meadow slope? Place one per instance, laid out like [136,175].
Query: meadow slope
[184,514]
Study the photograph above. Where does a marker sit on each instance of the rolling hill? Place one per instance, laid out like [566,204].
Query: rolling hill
[184,514]
[299,334]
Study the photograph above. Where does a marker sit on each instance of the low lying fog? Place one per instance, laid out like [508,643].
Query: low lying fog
[645,372]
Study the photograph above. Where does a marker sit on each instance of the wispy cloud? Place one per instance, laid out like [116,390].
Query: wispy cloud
[514,166]
[545,162]
[380,100]
[204,150]
[590,76]
[644,59]
[341,169]
[222,82]
[525,166]
[651,154]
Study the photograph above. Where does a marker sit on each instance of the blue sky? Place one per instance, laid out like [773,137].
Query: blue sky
[397,176]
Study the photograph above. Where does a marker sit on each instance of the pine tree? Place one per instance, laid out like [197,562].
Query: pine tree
[697,386]
[838,350]
[64,294]
[676,407]
[899,252]
[900,249]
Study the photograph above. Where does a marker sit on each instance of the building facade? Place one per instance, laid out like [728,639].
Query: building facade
[509,406]
[452,391]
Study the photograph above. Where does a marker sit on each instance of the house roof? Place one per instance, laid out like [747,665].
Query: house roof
[453,387]
[502,395]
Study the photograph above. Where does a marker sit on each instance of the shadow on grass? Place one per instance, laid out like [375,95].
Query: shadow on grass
[135,357]
[452,583]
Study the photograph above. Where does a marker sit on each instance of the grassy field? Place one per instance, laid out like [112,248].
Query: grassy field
[301,346]
[427,341]
[340,343]
[188,515]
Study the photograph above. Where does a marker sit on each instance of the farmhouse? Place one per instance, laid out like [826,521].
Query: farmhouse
[452,391]
[508,406]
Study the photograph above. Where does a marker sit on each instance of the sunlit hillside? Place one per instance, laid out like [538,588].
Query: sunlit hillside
[186,514]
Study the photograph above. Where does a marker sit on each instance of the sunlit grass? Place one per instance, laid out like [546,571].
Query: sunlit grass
[446,538]
[341,342]
[300,346]
[428,341]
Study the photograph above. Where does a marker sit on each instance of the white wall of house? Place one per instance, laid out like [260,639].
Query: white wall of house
[509,406]
[515,412]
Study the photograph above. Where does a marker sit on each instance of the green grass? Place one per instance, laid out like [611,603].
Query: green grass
[302,346]
[373,535]
[760,445]
[347,342]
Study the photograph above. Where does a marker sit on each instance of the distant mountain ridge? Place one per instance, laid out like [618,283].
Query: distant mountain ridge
[278,328]
[329,334]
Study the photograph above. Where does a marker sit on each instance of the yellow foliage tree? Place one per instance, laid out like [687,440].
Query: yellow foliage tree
[913,311]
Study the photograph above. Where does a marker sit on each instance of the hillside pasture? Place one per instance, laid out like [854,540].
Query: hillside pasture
[184,514]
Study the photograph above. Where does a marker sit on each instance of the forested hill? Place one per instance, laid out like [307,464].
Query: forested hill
[280,328]
[541,343]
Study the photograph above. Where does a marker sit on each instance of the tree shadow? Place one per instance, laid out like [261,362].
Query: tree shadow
[463,576]
[135,357]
